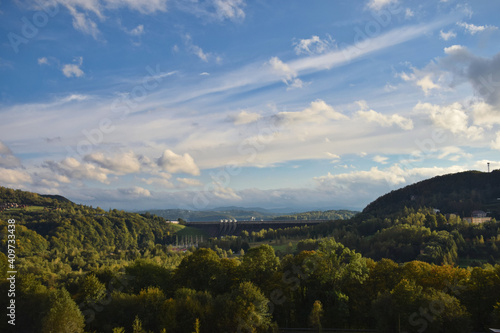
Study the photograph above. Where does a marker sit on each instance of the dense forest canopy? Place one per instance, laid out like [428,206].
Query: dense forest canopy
[398,268]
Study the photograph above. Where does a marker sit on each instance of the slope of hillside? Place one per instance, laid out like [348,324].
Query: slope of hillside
[459,193]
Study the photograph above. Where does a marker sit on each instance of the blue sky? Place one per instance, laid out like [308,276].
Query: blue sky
[199,104]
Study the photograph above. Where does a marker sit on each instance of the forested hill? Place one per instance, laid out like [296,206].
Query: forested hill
[459,193]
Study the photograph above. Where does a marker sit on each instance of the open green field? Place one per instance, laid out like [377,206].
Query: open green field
[188,231]
[27,209]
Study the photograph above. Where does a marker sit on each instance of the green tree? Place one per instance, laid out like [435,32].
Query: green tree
[259,264]
[91,289]
[247,310]
[64,316]
[316,315]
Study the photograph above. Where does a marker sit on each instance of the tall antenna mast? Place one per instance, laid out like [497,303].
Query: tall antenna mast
[488,167]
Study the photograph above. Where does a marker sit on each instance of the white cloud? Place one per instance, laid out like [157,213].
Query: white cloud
[135,192]
[174,163]
[190,182]
[73,169]
[496,143]
[453,153]
[380,159]
[230,9]
[381,119]
[455,50]
[226,193]
[83,23]
[474,29]
[137,31]
[427,84]
[120,164]
[422,78]
[333,156]
[245,117]
[7,158]
[10,177]
[392,176]
[70,70]
[195,49]
[485,114]
[317,112]
[313,45]
[218,10]
[379,4]
[452,117]
[43,61]
[447,35]
[282,69]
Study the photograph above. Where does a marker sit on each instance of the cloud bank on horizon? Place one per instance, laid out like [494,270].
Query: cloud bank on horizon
[169,103]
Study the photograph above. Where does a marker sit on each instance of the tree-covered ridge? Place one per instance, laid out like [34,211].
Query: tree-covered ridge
[459,193]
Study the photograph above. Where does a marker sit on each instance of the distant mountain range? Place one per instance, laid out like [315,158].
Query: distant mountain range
[242,213]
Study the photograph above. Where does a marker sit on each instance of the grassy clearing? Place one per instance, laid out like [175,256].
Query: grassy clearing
[27,209]
[189,231]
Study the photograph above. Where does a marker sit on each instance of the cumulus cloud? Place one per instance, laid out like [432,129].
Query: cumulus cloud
[189,182]
[135,192]
[485,115]
[422,78]
[121,164]
[313,45]
[226,193]
[393,175]
[453,118]
[244,117]
[381,119]
[453,153]
[380,159]
[10,177]
[70,70]
[74,169]
[496,143]
[174,163]
[7,158]
[318,111]
[457,67]
[447,35]
[284,70]
[474,29]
